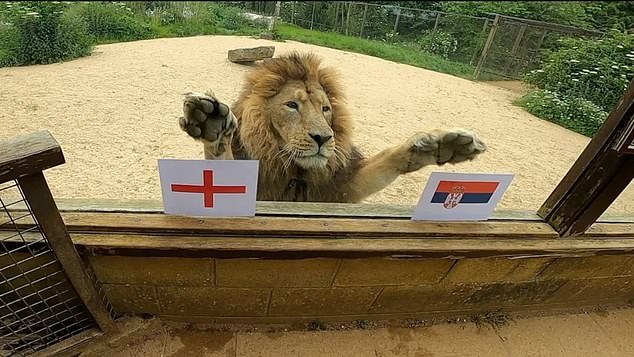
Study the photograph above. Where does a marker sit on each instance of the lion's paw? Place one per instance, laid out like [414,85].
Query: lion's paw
[206,118]
[441,147]
[458,145]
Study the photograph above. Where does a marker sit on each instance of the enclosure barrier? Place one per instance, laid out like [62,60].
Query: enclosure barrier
[48,301]
[299,262]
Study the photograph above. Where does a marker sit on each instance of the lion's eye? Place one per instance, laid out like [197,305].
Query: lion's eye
[292,105]
[325,109]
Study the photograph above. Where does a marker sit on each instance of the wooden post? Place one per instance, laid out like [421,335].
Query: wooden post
[433,32]
[293,12]
[597,178]
[276,14]
[348,17]
[45,211]
[398,17]
[475,53]
[487,46]
[515,47]
[312,17]
[365,12]
[23,158]
[336,22]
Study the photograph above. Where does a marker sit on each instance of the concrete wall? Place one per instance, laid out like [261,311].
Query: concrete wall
[276,290]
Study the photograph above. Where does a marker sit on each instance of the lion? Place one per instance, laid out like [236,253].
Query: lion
[291,115]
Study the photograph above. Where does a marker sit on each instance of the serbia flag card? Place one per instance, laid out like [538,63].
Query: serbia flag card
[461,197]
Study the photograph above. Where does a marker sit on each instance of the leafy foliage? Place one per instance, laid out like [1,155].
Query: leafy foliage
[583,81]
[45,32]
[112,21]
[439,43]
[597,70]
[575,113]
[38,32]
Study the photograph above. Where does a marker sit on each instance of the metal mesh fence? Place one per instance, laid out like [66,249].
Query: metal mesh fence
[516,48]
[38,306]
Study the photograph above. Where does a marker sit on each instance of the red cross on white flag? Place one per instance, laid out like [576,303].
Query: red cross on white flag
[221,188]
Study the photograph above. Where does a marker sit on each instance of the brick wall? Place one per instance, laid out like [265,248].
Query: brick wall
[208,289]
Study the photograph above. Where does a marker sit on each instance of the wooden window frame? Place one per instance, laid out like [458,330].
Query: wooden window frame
[600,174]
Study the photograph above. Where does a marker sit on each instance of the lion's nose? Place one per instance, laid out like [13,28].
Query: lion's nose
[320,139]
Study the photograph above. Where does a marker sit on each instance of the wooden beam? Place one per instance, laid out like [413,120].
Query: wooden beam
[301,248]
[28,154]
[300,227]
[44,209]
[596,179]
[487,47]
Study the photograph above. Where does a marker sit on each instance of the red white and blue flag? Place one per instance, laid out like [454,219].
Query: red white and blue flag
[457,196]
[452,193]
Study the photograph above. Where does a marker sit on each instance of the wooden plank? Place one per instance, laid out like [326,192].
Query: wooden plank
[295,209]
[27,154]
[600,142]
[597,177]
[70,346]
[42,204]
[296,248]
[487,47]
[299,227]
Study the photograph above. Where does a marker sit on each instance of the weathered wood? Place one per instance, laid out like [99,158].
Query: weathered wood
[298,210]
[348,17]
[242,55]
[300,227]
[596,179]
[69,347]
[398,17]
[365,13]
[42,204]
[28,154]
[196,246]
[487,47]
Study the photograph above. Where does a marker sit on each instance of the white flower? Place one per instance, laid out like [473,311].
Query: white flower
[575,80]
[615,67]
[593,72]
[619,46]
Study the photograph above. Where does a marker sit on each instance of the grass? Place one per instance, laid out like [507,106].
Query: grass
[393,52]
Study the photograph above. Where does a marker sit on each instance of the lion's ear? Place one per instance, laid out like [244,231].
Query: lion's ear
[268,85]
[329,80]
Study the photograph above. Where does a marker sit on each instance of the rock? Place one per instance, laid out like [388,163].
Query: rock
[242,55]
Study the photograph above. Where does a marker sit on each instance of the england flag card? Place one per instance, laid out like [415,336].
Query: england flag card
[219,188]
[461,197]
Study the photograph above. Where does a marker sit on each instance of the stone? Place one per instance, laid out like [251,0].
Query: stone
[245,55]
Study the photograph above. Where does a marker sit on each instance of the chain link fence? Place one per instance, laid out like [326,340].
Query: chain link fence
[499,47]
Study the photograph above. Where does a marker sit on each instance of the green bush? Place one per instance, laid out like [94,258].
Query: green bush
[38,32]
[597,70]
[439,43]
[112,21]
[574,113]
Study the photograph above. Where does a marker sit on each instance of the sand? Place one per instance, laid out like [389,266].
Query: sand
[598,333]
[115,113]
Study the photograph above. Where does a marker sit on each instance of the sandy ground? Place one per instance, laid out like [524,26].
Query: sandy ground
[592,334]
[115,113]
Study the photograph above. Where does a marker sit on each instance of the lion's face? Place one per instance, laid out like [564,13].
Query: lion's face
[302,116]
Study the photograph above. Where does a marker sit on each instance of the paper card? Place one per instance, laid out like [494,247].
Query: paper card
[461,197]
[219,188]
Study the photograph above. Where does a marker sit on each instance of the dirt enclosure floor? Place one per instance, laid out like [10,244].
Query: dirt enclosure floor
[579,335]
[115,113]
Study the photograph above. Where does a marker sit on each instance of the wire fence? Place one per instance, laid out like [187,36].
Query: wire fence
[38,305]
[501,46]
